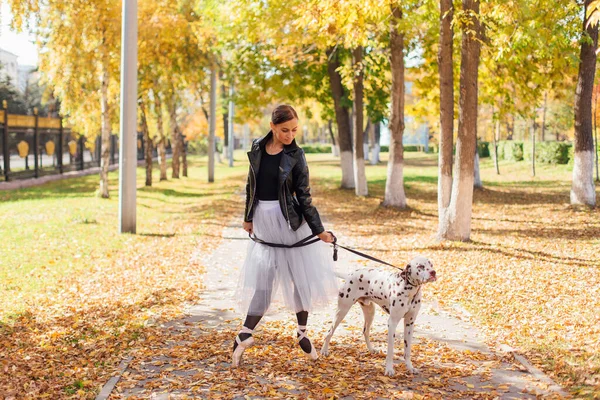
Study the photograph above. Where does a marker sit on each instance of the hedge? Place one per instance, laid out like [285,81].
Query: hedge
[317,148]
[483,148]
[548,152]
[510,150]
[408,148]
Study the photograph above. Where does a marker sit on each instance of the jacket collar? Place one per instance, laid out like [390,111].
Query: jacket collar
[262,142]
[287,161]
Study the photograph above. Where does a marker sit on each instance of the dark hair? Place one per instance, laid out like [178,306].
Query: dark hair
[283,113]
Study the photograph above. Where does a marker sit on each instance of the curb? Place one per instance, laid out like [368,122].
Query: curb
[533,370]
[25,183]
[112,382]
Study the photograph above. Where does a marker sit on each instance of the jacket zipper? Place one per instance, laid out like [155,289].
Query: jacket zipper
[286,209]
[253,193]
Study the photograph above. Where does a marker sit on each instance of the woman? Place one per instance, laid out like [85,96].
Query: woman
[278,170]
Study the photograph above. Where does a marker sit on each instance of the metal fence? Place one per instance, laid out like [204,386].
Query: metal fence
[32,146]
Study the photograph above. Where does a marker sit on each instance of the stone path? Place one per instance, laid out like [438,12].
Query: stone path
[156,376]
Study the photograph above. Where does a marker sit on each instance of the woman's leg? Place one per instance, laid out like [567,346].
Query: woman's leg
[302,317]
[302,320]
[258,306]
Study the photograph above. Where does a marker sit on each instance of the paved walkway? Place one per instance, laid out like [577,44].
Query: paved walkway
[452,355]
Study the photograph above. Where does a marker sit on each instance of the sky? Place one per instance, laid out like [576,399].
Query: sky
[20,44]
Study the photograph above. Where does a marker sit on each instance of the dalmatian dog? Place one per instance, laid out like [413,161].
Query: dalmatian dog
[397,293]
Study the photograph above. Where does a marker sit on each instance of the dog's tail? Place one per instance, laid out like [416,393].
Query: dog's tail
[341,275]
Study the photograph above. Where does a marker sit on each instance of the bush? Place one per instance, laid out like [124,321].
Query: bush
[548,152]
[510,150]
[317,148]
[483,148]
[198,146]
[500,150]
[408,148]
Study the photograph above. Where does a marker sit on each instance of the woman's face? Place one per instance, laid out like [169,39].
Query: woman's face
[286,131]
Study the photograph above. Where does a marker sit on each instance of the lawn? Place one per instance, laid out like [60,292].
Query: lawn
[75,295]
[530,277]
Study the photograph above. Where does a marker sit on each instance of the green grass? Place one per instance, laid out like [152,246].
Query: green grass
[61,230]
[50,231]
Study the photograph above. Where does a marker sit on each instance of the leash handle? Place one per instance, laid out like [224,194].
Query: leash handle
[335,246]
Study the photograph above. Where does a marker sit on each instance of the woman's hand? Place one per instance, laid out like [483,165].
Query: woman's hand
[326,236]
[248,227]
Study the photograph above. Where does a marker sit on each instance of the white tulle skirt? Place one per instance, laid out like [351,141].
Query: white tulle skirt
[305,274]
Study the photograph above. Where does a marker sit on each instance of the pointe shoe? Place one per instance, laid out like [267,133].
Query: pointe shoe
[313,352]
[236,357]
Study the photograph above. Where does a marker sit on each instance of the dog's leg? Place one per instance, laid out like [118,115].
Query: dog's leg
[369,313]
[389,360]
[342,309]
[409,325]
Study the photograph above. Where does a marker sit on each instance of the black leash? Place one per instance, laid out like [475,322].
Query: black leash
[306,242]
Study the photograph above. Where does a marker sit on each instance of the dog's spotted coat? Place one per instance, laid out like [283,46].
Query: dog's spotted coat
[397,293]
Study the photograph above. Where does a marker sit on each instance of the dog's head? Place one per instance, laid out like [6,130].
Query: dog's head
[419,271]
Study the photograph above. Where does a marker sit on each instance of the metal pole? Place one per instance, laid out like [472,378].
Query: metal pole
[81,150]
[6,152]
[128,139]
[230,130]
[35,144]
[59,155]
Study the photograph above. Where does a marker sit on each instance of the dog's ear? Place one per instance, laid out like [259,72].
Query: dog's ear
[404,273]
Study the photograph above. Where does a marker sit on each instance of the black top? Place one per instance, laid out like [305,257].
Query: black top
[268,176]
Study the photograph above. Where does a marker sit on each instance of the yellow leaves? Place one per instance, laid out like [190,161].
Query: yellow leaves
[328,391]
[530,276]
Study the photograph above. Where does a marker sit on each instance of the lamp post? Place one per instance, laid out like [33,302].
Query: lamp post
[128,138]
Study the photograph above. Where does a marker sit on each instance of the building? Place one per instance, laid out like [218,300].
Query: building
[27,74]
[9,67]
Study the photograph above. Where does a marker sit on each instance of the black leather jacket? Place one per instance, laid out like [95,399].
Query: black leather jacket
[294,196]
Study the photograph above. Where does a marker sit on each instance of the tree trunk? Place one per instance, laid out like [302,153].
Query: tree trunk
[360,177]
[377,146]
[105,162]
[496,138]
[446,109]
[225,118]
[457,224]
[147,144]
[183,155]
[335,149]
[533,147]
[212,122]
[161,137]
[596,134]
[175,145]
[230,131]
[477,184]
[162,158]
[394,184]
[582,189]
[342,118]
[366,140]
[544,116]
